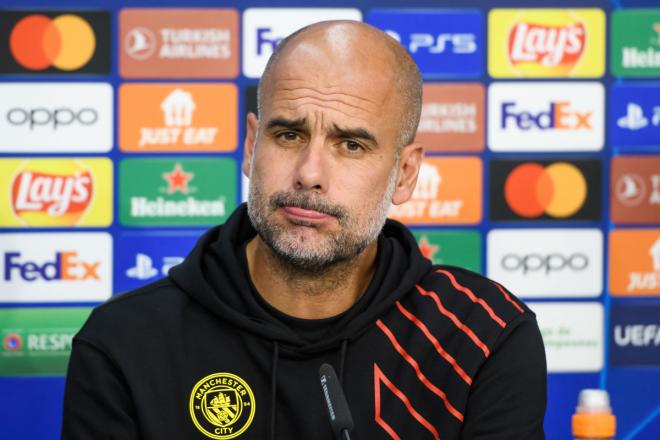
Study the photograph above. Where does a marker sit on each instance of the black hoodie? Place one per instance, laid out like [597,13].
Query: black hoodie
[427,352]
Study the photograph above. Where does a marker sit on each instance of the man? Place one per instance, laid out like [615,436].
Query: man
[230,344]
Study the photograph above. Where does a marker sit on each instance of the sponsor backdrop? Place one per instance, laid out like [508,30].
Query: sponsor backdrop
[121,129]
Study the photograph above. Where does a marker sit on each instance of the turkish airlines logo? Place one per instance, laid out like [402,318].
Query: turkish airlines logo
[635,189]
[545,190]
[547,262]
[550,46]
[140,43]
[179,43]
[452,117]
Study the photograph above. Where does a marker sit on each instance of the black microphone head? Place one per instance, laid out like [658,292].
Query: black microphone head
[333,395]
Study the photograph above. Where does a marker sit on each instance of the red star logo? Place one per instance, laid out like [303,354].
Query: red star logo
[426,248]
[177,180]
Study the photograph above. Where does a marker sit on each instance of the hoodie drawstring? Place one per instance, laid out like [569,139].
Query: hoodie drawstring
[342,360]
[273,389]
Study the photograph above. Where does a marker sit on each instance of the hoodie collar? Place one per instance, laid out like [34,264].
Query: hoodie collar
[213,275]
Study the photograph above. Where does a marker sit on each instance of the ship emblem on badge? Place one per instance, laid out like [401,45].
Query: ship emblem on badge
[222,406]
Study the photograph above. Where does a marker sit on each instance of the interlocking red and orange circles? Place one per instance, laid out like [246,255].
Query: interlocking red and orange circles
[66,42]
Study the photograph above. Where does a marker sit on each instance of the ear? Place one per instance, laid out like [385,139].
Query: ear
[251,129]
[410,162]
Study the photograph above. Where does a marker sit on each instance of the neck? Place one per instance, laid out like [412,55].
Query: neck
[305,294]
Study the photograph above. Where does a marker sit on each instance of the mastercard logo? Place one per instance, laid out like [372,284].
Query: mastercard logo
[558,190]
[66,42]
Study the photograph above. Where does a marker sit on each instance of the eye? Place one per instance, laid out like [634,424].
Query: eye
[352,146]
[288,136]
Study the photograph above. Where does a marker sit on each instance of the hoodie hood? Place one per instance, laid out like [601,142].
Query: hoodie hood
[214,276]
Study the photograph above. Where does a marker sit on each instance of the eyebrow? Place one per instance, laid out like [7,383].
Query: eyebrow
[298,124]
[359,133]
[293,124]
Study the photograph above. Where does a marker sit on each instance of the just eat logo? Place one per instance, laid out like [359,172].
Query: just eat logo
[65,266]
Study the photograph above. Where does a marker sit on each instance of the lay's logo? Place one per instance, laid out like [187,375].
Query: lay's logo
[56,192]
[549,46]
[52,194]
[538,43]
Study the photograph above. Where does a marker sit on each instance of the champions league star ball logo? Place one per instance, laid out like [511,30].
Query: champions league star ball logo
[222,406]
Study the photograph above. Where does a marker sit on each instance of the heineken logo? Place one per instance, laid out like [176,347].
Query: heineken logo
[180,192]
[177,180]
[636,42]
[458,247]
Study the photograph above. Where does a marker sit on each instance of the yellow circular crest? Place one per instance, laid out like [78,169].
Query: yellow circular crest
[222,406]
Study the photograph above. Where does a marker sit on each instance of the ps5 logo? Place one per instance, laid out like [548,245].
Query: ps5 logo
[635,119]
[144,267]
[462,43]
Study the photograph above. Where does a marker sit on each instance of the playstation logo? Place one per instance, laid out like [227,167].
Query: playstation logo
[143,269]
[634,118]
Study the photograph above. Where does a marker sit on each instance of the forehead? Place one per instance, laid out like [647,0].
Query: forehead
[341,80]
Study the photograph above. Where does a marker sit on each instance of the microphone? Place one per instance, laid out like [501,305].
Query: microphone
[339,413]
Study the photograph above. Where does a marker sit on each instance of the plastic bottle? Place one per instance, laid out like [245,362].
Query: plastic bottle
[593,418]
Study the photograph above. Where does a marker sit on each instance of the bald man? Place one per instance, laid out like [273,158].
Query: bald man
[311,272]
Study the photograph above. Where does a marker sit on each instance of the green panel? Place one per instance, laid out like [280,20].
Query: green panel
[635,44]
[455,247]
[176,192]
[37,341]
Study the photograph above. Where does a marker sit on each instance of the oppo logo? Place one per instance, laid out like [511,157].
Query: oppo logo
[39,117]
[544,263]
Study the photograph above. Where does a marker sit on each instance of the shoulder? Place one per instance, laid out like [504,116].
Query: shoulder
[472,304]
[135,313]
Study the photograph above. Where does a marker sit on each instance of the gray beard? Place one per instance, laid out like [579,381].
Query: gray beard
[336,249]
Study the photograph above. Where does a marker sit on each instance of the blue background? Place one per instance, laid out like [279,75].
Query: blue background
[30,408]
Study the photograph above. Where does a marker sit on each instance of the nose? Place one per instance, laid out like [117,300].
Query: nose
[311,171]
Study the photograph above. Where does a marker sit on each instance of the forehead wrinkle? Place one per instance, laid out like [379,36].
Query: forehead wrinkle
[327,90]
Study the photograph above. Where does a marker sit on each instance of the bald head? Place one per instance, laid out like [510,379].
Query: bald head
[356,45]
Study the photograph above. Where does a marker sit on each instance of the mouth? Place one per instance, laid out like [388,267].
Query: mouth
[305,217]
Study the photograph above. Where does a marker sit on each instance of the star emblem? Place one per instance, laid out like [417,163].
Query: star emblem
[177,180]
[426,248]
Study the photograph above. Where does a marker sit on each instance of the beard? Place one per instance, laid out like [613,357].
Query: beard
[294,247]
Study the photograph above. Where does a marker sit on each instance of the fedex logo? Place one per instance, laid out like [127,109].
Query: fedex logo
[560,115]
[444,43]
[55,267]
[266,40]
[66,266]
[265,28]
[546,116]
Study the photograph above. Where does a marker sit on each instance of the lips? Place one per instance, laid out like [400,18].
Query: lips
[306,214]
